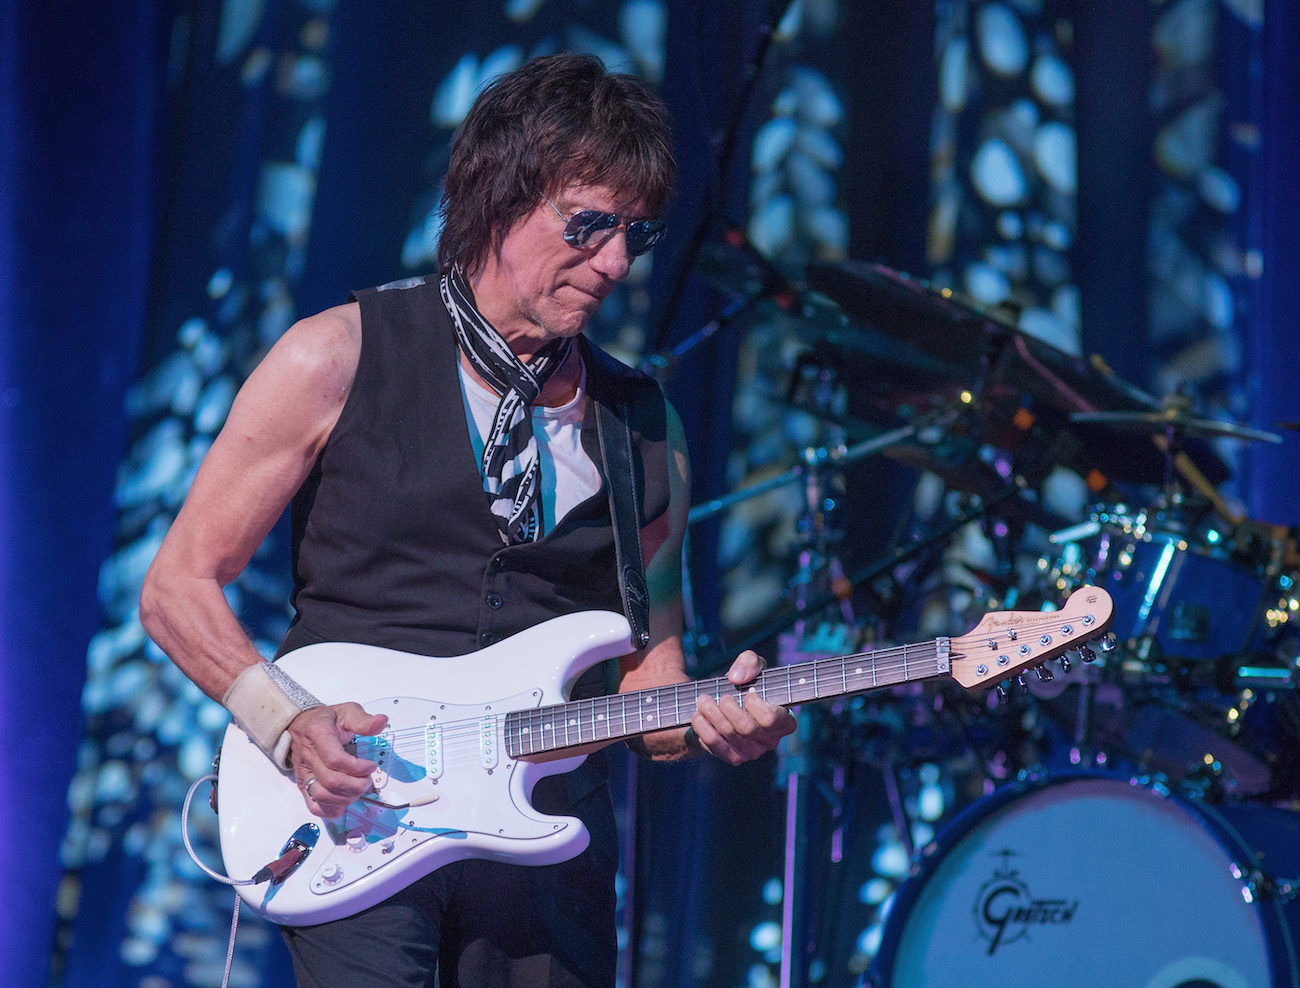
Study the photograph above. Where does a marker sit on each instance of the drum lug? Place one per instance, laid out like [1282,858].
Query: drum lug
[1261,886]
[1284,891]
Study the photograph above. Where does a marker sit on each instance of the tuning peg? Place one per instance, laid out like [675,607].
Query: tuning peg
[1106,642]
[1043,673]
[1087,654]
[1021,684]
[1003,691]
[1065,663]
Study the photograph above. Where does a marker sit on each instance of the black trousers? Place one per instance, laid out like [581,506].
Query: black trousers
[481,924]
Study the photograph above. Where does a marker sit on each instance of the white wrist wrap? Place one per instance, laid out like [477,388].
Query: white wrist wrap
[264,701]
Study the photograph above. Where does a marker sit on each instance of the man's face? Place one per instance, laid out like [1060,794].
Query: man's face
[537,287]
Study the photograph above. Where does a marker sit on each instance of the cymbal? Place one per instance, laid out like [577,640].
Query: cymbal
[1178,421]
[907,308]
[943,324]
[1013,368]
[886,379]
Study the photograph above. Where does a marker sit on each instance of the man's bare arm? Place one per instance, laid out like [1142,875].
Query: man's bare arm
[725,729]
[276,429]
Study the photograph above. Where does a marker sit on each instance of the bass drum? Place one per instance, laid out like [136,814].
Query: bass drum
[1090,880]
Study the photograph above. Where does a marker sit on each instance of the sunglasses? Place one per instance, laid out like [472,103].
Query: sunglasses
[582,226]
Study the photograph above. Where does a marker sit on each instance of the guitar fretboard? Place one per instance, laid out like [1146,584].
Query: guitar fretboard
[625,715]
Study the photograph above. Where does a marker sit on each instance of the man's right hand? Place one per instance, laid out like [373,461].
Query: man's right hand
[330,778]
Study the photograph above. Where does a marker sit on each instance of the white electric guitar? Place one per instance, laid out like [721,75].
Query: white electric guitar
[467,740]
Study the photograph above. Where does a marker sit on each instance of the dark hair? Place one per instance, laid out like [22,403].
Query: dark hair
[555,120]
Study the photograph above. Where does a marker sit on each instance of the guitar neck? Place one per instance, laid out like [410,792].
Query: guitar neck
[627,715]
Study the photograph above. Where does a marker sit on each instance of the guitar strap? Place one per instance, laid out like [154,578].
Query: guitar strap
[613,426]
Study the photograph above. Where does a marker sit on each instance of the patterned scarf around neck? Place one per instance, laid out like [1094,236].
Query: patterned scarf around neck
[510,467]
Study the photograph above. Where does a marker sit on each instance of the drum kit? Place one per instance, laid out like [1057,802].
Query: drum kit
[1153,838]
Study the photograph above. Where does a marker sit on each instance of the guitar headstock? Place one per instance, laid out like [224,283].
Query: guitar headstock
[1005,643]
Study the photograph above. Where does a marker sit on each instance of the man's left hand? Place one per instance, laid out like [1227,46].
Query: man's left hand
[738,733]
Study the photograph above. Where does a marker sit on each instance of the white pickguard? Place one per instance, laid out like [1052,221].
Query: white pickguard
[443,753]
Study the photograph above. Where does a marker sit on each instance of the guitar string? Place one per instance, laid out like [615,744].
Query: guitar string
[588,720]
[581,711]
[885,662]
[574,723]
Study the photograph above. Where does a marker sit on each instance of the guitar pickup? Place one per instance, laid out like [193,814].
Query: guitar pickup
[487,741]
[433,750]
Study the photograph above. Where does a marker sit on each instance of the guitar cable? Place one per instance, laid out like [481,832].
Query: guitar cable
[185,836]
[275,871]
[224,879]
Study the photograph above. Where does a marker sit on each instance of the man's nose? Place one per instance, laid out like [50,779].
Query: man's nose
[611,258]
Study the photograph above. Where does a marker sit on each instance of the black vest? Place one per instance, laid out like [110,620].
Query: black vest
[393,542]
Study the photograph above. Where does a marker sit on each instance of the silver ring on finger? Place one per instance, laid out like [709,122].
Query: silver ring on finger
[306,786]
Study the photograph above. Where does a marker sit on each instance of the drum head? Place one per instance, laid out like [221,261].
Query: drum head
[1087,881]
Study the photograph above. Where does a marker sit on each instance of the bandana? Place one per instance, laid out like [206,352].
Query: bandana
[510,467]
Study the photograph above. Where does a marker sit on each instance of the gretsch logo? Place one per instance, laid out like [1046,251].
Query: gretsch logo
[1005,909]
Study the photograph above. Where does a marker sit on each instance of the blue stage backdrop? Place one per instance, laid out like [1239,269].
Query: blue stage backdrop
[78,142]
[181,180]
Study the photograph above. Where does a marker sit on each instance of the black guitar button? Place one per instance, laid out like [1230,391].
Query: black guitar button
[493,600]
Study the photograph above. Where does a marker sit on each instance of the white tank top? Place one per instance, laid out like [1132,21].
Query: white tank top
[569,476]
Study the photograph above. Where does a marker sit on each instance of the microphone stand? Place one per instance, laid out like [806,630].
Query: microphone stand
[661,365]
[726,143]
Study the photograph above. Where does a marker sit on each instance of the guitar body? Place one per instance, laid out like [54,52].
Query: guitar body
[445,789]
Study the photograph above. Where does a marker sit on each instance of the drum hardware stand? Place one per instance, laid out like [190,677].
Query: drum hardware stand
[897,811]
[1081,754]
[799,777]
[812,460]
[801,773]
[889,562]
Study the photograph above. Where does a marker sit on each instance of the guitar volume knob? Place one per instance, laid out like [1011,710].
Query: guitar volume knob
[331,874]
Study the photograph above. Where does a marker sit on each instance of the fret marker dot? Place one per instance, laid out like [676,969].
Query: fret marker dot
[600,716]
[857,671]
[802,681]
[573,722]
